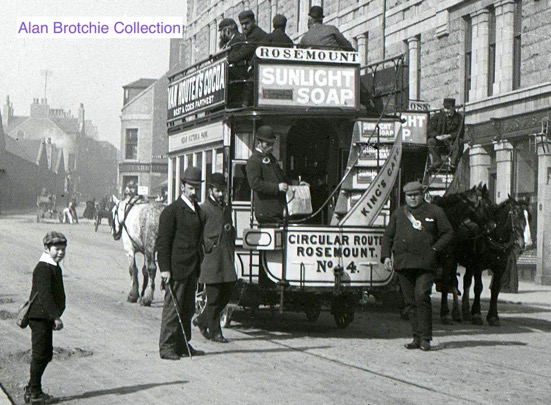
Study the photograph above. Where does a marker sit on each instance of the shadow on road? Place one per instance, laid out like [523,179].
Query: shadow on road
[117,391]
[461,344]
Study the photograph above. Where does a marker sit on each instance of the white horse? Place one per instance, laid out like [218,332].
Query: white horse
[138,224]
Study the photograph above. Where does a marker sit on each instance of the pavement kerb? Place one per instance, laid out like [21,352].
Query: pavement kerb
[4,397]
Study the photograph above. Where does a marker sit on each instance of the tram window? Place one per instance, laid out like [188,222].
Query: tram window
[208,158]
[240,185]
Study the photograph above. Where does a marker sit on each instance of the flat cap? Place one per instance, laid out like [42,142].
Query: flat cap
[316,12]
[54,238]
[226,22]
[413,186]
[265,133]
[192,175]
[245,15]
[279,21]
[217,180]
[449,102]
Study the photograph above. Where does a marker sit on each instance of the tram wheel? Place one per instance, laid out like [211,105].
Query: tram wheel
[312,309]
[342,309]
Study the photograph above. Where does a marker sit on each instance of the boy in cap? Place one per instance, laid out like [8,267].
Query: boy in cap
[266,179]
[278,37]
[415,234]
[217,268]
[179,252]
[45,312]
[446,130]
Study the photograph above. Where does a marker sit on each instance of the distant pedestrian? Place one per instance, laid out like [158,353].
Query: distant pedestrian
[411,242]
[218,268]
[179,249]
[278,37]
[45,313]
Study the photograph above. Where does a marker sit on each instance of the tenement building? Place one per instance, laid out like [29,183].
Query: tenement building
[490,56]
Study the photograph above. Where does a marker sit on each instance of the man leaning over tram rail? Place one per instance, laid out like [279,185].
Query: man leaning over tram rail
[446,129]
[411,242]
[266,179]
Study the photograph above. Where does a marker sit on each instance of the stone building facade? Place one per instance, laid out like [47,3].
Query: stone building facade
[144,139]
[492,56]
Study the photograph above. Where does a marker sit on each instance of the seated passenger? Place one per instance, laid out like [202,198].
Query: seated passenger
[445,131]
[323,35]
[278,37]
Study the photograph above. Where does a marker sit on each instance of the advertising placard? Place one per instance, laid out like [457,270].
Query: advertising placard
[200,90]
[196,136]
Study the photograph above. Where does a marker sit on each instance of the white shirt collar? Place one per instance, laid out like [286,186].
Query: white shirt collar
[188,202]
[46,258]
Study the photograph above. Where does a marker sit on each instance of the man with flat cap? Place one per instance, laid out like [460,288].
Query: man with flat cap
[445,131]
[217,269]
[266,179]
[415,234]
[179,253]
[278,37]
[320,35]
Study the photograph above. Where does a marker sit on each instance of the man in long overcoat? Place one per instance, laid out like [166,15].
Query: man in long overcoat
[266,179]
[179,252]
[218,268]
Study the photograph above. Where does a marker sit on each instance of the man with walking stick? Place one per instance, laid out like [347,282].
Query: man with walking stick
[179,250]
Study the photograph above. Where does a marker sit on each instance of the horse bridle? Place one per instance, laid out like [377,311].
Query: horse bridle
[122,225]
[511,215]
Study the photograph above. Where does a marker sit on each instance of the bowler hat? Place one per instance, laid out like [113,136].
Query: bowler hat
[413,186]
[265,133]
[449,102]
[245,15]
[316,12]
[279,21]
[217,180]
[54,238]
[226,22]
[192,175]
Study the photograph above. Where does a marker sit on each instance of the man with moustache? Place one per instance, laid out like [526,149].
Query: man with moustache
[179,253]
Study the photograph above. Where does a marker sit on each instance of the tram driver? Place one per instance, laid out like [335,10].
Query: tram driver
[446,131]
[266,179]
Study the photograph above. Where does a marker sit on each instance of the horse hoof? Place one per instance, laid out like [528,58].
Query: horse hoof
[457,317]
[477,320]
[145,302]
[132,299]
[467,316]
[494,322]
[446,320]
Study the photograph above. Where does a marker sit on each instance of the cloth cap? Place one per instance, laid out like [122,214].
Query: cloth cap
[217,180]
[413,186]
[192,175]
[54,238]
[226,22]
[265,133]
[279,21]
[245,15]
[316,12]
[449,102]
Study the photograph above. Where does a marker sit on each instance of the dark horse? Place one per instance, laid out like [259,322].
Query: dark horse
[494,251]
[471,216]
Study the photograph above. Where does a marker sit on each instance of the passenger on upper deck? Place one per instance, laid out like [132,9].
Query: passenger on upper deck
[266,179]
[323,35]
[278,37]
[230,37]
[446,130]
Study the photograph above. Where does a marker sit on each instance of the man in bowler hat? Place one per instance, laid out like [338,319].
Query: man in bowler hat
[320,35]
[446,130]
[266,179]
[179,252]
[415,234]
[217,269]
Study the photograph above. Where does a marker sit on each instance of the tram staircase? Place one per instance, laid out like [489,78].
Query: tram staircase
[446,179]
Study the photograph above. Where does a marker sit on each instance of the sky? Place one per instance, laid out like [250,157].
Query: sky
[91,71]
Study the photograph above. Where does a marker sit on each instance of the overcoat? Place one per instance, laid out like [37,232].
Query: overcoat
[413,248]
[48,283]
[264,176]
[219,237]
[180,240]
[278,37]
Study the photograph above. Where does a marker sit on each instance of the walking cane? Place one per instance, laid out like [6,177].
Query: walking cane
[175,301]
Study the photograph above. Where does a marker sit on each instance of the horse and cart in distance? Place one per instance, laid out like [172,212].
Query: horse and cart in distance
[353,161]
[46,205]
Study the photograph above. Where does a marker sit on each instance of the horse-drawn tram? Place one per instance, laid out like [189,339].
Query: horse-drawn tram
[343,164]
